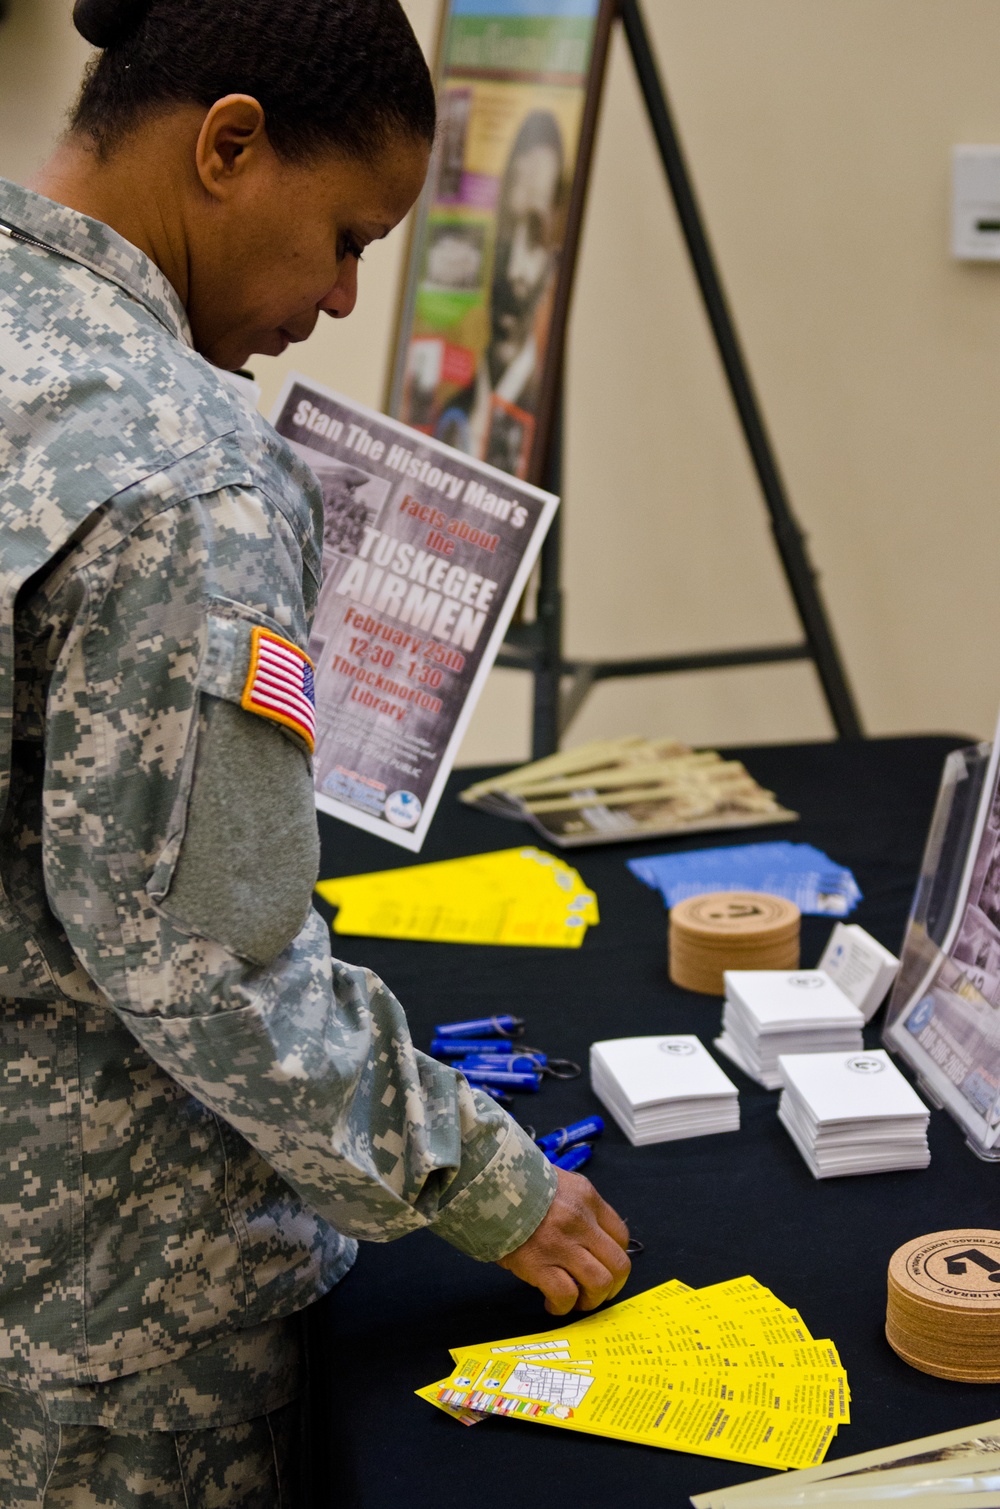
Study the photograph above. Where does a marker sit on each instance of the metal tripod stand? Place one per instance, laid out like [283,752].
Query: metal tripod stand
[538,646]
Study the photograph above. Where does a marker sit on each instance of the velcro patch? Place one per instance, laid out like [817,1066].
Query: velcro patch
[280,684]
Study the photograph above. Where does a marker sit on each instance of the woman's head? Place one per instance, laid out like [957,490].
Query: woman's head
[331,75]
[267,140]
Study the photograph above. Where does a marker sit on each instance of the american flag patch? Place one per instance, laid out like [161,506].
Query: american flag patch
[280,684]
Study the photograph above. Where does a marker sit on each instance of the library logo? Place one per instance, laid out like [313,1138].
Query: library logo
[403,809]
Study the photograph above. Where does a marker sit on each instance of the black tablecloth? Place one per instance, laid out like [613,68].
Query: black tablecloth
[707,1209]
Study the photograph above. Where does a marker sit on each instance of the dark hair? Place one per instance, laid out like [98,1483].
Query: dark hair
[341,75]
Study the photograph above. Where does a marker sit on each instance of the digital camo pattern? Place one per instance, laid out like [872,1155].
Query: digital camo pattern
[185,1130]
[209,1386]
[250,1465]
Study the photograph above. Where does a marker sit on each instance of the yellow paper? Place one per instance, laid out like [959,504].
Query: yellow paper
[649,1414]
[727,1371]
[516,897]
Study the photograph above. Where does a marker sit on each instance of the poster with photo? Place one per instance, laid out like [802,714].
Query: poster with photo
[491,255]
[948,1026]
[425,555]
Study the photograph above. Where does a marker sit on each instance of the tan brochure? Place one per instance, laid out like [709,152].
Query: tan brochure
[932,1472]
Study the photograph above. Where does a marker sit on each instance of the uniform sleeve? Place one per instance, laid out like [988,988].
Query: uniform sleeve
[181,851]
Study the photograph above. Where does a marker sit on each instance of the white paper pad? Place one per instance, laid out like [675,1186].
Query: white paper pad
[772,1012]
[852,1113]
[776,1000]
[659,1089]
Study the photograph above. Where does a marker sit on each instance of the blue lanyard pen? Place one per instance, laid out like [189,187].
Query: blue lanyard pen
[505,1079]
[526,1058]
[462,1047]
[574,1157]
[484,1026]
[511,1063]
[553,1143]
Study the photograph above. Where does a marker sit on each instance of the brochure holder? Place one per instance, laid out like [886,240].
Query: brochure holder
[938,1020]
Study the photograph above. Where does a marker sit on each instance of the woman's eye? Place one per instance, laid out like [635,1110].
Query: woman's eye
[349,247]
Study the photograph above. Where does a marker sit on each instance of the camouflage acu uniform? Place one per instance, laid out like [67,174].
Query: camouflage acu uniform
[195,1100]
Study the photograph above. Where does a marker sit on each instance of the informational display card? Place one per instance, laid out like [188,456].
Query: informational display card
[425,555]
[948,1024]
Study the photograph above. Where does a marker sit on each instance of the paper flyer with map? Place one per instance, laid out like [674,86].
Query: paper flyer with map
[727,1371]
[426,553]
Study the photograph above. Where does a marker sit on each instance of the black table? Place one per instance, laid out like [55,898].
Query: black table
[707,1209]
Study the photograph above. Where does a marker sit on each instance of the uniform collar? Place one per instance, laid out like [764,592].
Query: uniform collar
[67,233]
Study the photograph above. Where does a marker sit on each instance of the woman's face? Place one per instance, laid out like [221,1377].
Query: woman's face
[280,246]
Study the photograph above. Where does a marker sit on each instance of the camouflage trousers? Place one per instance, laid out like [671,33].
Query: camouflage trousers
[44,1465]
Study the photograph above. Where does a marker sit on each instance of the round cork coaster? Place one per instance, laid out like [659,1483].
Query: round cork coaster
[943,1306]
[950,1269]
[750,917]
[730,930]
[938,1369]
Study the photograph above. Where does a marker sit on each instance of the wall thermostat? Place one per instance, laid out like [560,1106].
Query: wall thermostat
[975,203]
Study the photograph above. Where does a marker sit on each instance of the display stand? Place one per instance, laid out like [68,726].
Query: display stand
[561,684]
[926,968]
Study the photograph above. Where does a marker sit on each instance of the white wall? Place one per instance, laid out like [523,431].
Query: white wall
[819,139]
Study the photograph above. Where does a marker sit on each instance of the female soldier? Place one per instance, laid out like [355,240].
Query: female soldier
[196,1102]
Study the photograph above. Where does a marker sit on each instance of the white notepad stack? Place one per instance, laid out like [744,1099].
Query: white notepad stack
[662,1088]
[852,1113]
[769,1012]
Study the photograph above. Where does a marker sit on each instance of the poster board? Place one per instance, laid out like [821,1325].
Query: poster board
[478,350]
[425,555]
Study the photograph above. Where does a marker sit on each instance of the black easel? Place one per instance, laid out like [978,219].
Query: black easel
[538,646]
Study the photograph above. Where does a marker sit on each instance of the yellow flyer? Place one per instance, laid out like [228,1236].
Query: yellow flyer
[650,1414]
[727,1371]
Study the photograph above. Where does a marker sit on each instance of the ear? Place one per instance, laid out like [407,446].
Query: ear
[231,138]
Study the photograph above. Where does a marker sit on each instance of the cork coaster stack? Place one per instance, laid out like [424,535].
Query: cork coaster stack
[730,930]
[943,1315]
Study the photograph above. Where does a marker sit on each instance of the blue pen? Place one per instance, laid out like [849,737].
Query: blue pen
[574,1157]
[484,1026]
[505,1078]
[461,1047]
[553,1143]
[517,1063]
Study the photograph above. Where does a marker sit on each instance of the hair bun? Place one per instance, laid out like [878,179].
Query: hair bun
[104,22]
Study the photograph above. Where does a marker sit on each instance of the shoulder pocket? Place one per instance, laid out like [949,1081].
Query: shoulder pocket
[243,856]
[252,663]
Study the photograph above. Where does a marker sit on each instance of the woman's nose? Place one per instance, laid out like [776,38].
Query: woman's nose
[344,294]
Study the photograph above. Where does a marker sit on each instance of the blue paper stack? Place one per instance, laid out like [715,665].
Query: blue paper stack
[798,872]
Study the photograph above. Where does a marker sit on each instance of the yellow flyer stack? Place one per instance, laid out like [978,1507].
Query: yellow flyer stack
[726,1371]
[517,896]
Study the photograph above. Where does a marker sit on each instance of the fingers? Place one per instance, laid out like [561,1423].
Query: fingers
[593,1281]
[611,1222]
[611,1254]
[598,1280]
[561,1293]
[600,1269]
[576,1255]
